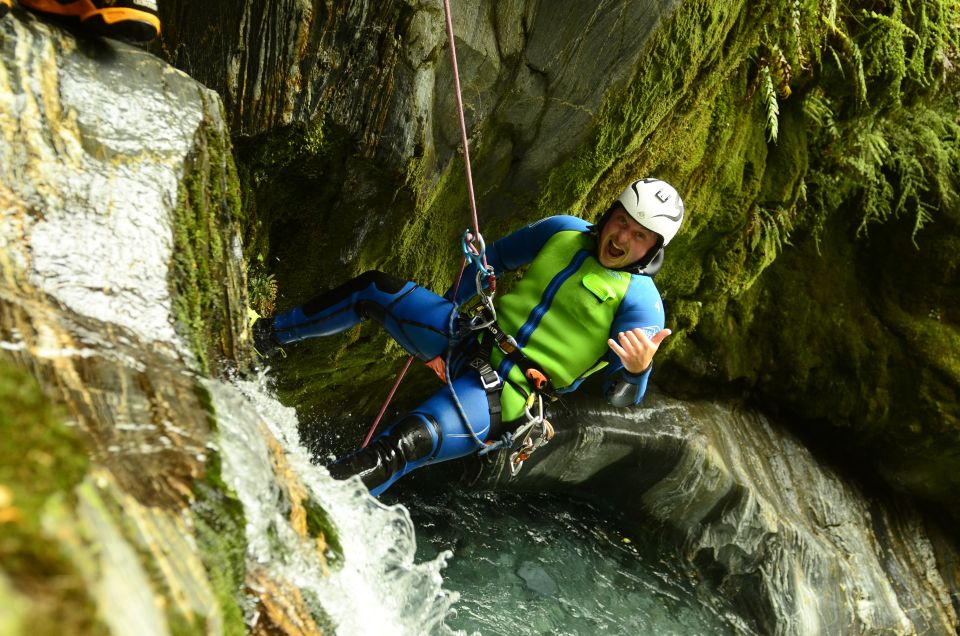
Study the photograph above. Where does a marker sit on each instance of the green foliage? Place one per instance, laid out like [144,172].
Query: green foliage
[262,288]
[208,207]
[818,110]
[773,108]
[871,104]
[769,229]
[41,460]
[221,537]
[320,525]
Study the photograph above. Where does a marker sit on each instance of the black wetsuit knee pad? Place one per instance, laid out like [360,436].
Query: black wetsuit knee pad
[412,438]
[409,441]
[384,282]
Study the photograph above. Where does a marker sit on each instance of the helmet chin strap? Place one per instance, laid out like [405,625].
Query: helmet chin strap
[650,264]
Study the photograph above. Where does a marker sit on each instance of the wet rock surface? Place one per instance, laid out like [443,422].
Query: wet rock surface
[798,547]
[97,142]
[382,71]
[96,138]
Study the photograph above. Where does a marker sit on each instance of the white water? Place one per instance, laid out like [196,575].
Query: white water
[379,589]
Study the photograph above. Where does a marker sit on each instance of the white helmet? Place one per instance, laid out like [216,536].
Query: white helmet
[655,205]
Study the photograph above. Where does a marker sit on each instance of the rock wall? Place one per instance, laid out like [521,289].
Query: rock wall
[535,74]
[796,545]
[812,275]
[113,511]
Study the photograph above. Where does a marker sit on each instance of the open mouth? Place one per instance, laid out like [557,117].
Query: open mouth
[614,252]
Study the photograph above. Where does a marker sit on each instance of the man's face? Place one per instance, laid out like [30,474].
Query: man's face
[624,241]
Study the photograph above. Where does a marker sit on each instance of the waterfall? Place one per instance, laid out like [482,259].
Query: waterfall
[375,586]
[193,506]
[157,486]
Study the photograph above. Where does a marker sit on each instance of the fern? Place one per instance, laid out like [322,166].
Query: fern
[876,148]
[772,106]
[860,79]
[816,108]
[891,23]
[796,26]
[876,203]
[836,59]
[912,180]
[923,216]
[879,86]
[769,230]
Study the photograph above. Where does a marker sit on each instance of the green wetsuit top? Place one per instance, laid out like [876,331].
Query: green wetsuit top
[564,308]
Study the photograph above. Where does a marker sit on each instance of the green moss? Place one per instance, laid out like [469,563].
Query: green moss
[221,538]
[40,459]
[319,525]
[324,622]
[15,609]
[317,215]
[621,144]
[208,210]
[180,625]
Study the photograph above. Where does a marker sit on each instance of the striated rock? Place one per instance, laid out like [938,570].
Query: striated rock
[772,290]
[121,284]
[797,547]
[533,72]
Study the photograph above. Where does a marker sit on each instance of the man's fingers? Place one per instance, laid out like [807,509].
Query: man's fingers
[636,340]
[639,335]
[617,349]
[633,337]
[660,336]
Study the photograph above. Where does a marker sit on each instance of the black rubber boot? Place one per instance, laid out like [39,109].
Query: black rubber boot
[376,464]
[264,339]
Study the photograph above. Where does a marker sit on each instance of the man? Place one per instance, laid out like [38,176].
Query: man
[586,301]
[131,20]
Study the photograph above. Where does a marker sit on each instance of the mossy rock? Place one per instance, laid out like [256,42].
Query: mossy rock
[41,462]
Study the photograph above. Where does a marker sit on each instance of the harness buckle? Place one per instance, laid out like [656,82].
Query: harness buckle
[493,382]
[489,378]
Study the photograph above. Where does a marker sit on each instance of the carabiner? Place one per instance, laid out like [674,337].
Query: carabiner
[469,250]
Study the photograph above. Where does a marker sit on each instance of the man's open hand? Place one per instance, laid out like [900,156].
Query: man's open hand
[635,349]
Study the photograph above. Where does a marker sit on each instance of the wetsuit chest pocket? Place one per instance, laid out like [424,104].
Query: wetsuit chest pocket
[599,287]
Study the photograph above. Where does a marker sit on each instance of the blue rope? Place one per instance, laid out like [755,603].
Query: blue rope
[446,371]
[504,442]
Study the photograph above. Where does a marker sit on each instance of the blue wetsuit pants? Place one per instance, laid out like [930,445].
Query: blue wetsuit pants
[419,320]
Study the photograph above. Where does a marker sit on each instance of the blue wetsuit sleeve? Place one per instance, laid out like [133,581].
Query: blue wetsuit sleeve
[642,307]
[516,250]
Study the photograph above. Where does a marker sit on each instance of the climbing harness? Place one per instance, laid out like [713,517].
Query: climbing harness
[536,430]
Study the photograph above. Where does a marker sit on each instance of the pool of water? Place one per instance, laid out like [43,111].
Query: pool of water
[543,564]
